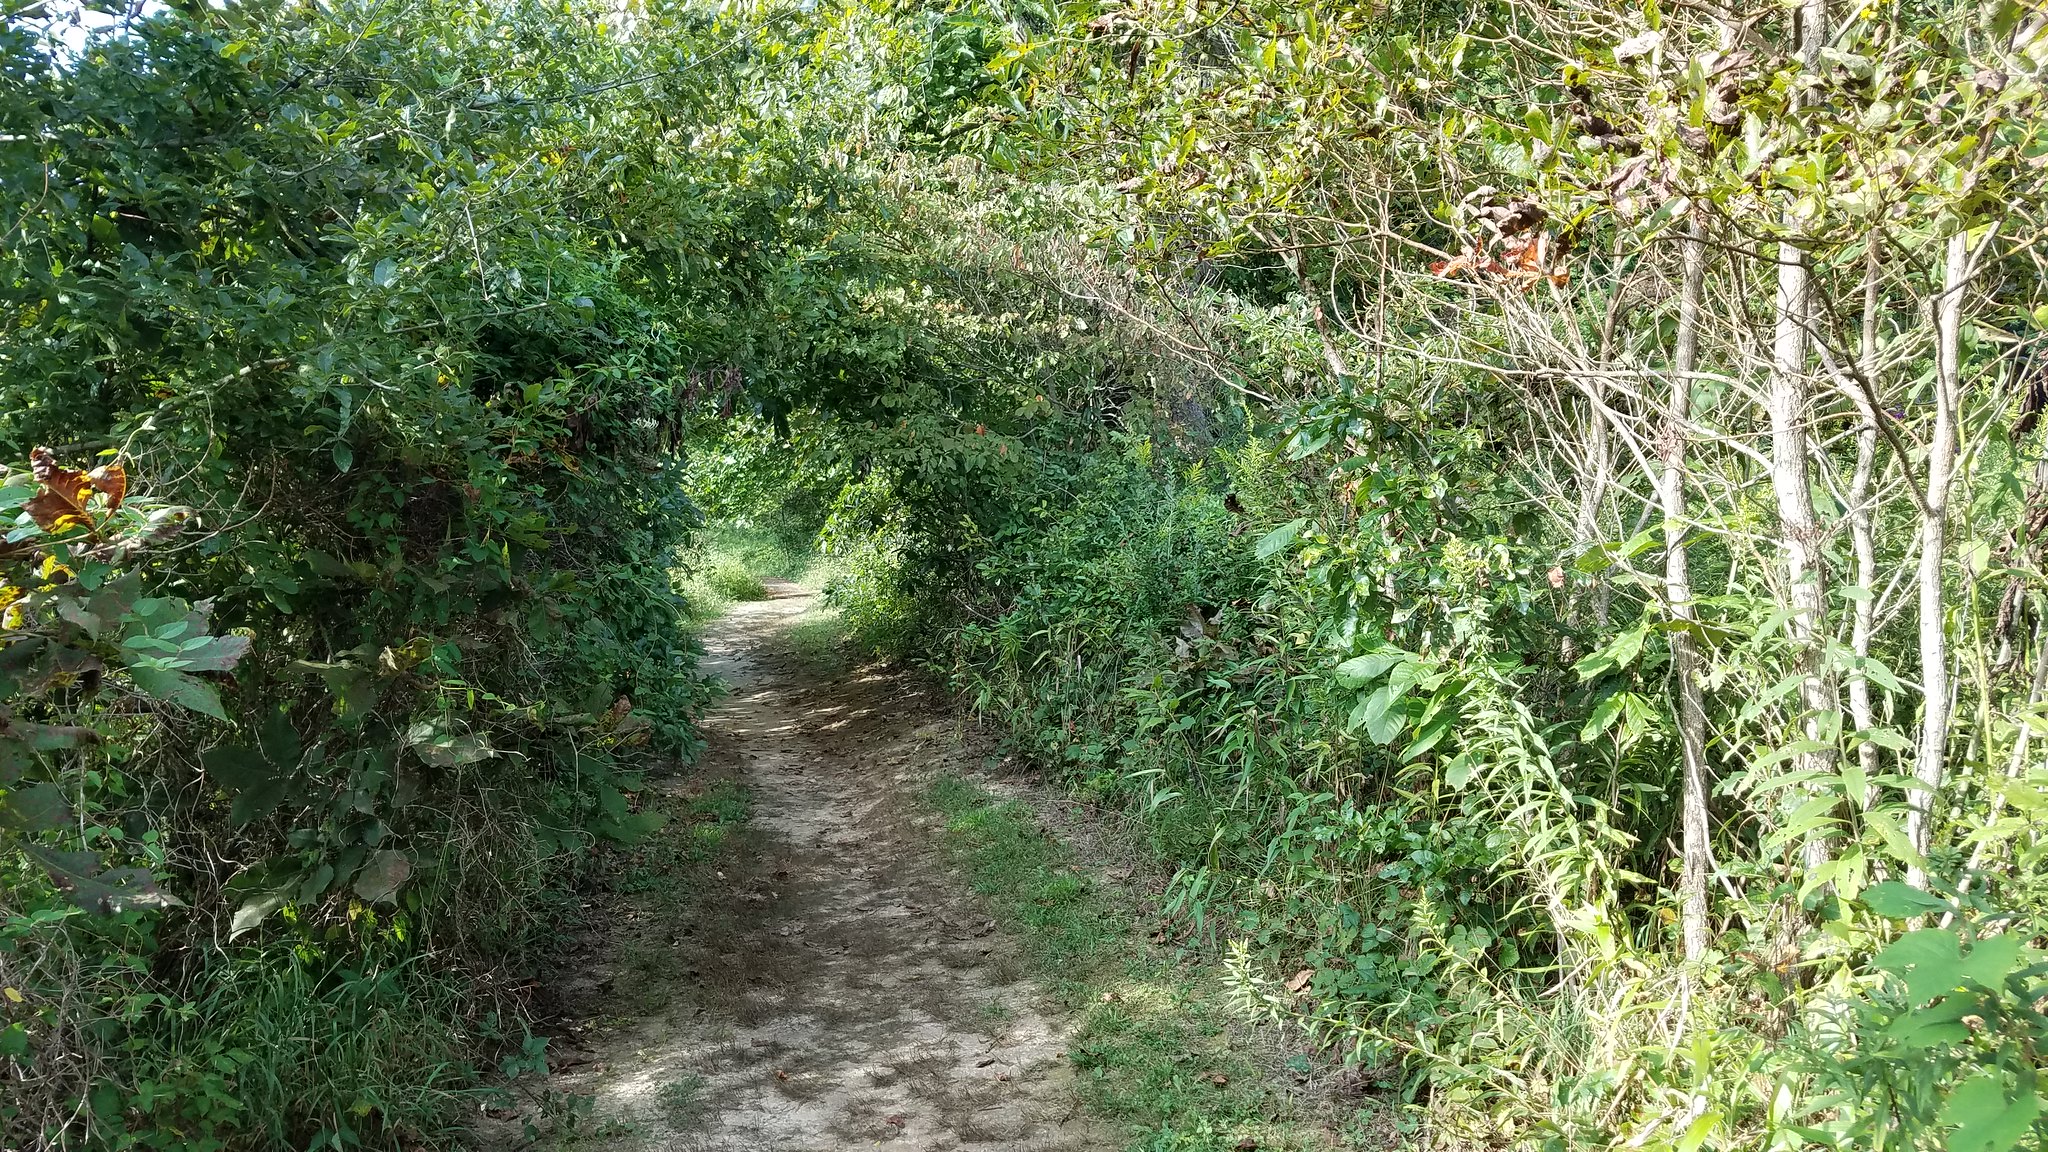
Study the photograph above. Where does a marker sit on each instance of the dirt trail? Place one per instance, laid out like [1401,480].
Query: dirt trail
[839,989]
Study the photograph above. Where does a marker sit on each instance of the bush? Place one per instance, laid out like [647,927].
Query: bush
[728,578]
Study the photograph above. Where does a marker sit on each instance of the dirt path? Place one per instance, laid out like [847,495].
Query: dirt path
[841,990]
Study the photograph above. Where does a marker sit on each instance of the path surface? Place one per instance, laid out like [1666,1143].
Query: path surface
[842,990]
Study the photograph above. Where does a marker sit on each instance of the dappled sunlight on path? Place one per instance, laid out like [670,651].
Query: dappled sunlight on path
[840,989]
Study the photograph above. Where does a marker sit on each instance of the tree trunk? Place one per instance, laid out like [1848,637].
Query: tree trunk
[1697,861]
[1788,402]
[1862,531]
[1930,764]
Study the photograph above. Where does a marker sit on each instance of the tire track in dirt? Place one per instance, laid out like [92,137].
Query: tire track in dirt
[834,987]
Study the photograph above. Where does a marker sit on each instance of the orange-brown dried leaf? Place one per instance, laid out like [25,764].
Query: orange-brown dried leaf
[65,491]
[111,480]
[1467,261]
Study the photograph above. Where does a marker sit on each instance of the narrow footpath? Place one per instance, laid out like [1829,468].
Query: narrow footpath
[832,986]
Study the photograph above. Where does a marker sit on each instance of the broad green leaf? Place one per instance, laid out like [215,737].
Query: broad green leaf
[175,687]
[36,808]
[1902,901]
[254,912]
[85,883]
[212,653]
[1603,717]
[1372,665]
[1381,715]
[381,877]
[1929,961]
[1279,538]
[1989,1115]
[630,828]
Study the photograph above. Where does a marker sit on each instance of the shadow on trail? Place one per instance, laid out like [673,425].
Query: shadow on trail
[830,985]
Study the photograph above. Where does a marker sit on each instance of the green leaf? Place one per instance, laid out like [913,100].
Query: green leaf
[213,654]
[1989,1116]
[1603,717]
[1940,1023]
[444,747]
[1280,537]
[256,783]
[278,739]
[253,912]
[1929,961]
[36,808]
[381,878]
[354,688]
[1991,960]
[1902,901]
[1382,715]
[385,274]
[235,768]
[1372,665]
[630,828]
[1617,654]
[105,891]
[175,687]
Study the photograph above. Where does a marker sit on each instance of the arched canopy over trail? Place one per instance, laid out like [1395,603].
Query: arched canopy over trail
[1523,521]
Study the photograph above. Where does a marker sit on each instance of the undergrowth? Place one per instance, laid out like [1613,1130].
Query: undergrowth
[1157,1050]
[729,563]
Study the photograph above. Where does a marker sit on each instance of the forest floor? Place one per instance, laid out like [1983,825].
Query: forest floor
[820,980]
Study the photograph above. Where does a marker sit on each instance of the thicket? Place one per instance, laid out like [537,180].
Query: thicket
[1548,542]
[377,326]
[1534,509]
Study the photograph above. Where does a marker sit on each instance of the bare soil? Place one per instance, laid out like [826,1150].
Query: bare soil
[831,985]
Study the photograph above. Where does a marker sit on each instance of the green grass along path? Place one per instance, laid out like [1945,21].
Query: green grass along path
[853,932]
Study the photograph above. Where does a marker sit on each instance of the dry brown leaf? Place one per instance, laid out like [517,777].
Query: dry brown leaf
[112,482]
[1300,979]
[64,495]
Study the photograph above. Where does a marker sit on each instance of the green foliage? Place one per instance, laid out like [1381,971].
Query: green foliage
[1102,355]
[1154,1051]
[381,312]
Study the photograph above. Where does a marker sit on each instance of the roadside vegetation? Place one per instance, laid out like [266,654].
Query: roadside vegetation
[1533,512]
[1159,1050]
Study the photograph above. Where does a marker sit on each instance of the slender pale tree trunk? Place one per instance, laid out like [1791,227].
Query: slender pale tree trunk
[1697,861]
[1930,764]
[1599,472]
[1862,530]
[1789,404]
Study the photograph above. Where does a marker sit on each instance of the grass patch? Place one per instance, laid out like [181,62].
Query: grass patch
[818,640]
[663,880]
[683,1102]
[1153,1051]
[729,579]
[729,563]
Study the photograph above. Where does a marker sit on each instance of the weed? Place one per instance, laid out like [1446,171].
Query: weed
[682,1101]
[1154,1048]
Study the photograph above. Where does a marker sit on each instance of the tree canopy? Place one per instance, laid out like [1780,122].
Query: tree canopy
[1534,509]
